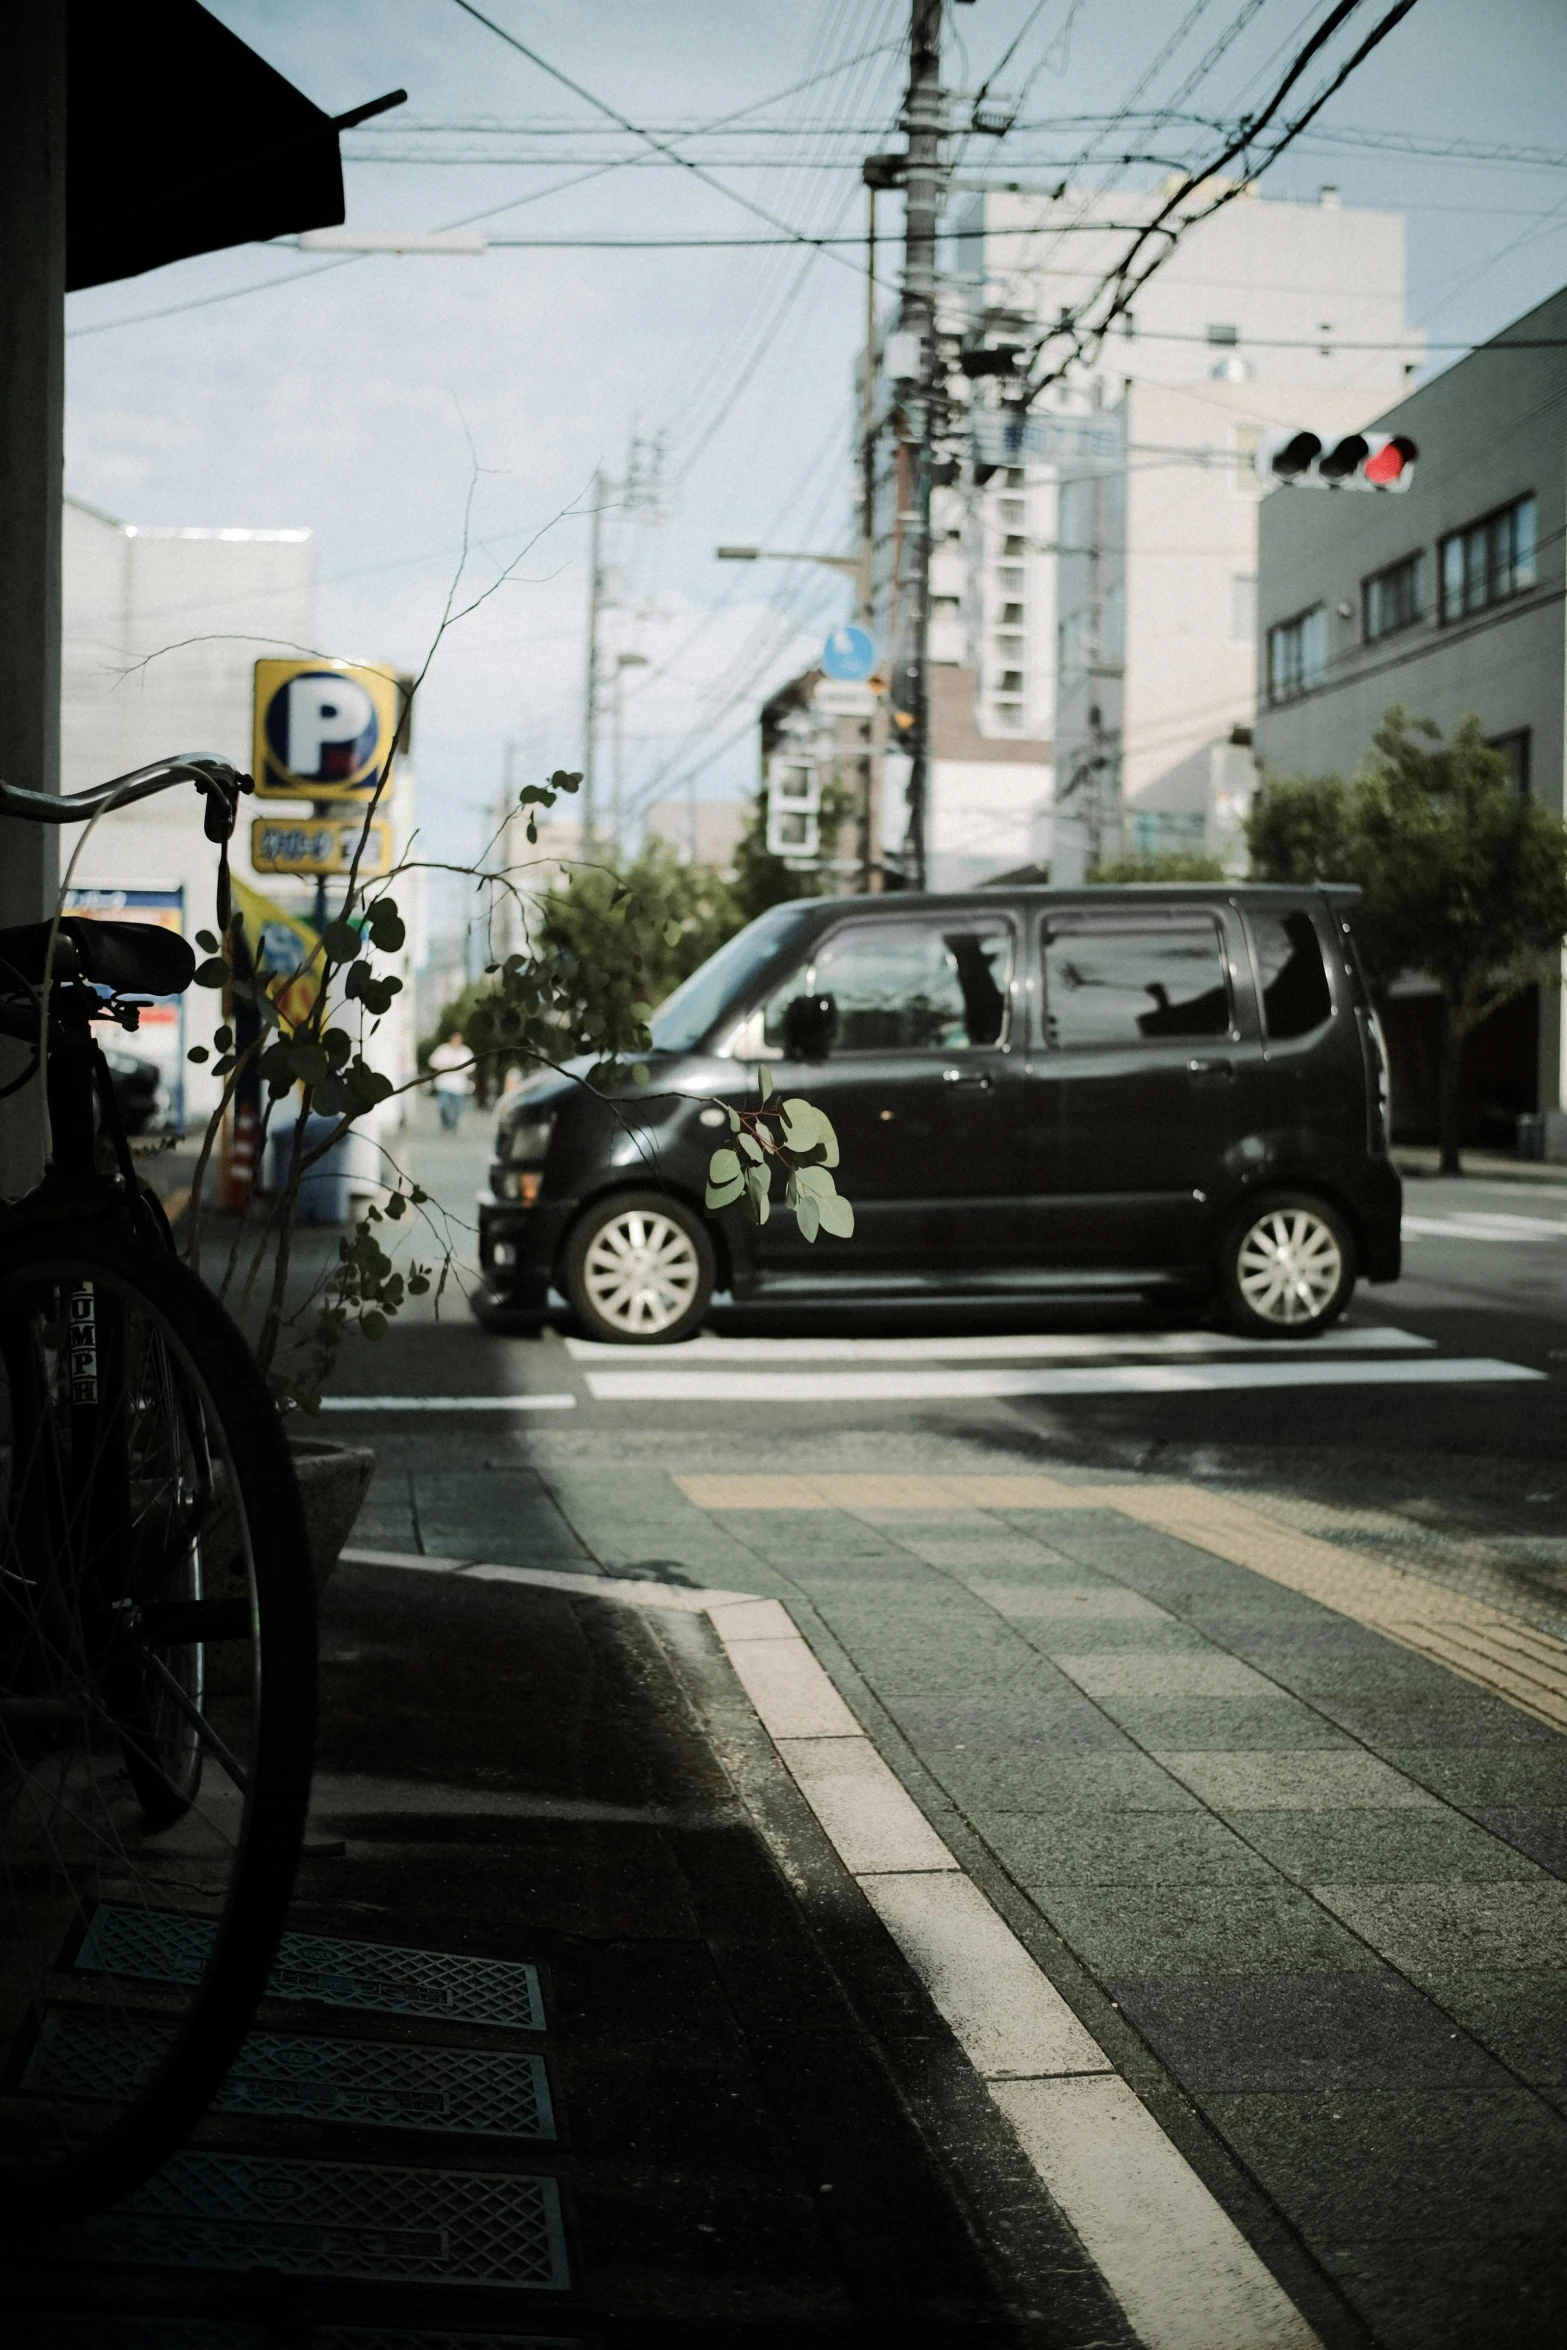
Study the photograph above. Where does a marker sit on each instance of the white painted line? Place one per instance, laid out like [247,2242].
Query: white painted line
[868,1813]
[1013,2023]
[1472,1224]
[674,1596]
[1285,1368]
[448,1403]
[1063,1347]
[1180,2268]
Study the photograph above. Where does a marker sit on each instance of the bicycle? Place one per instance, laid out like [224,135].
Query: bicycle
[157,1612]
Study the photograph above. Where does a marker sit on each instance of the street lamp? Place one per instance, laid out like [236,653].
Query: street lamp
[848,563]
[623,662]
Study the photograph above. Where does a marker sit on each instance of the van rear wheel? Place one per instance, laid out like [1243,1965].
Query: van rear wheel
[640,1270]
[1287,1267]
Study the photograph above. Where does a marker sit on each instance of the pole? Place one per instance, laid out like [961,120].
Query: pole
[32,482]
[871,764]
[922,205]
[617,739]
[590,710]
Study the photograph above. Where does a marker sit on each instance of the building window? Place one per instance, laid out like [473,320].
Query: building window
[1514,748]
[1489,561]
[1014,477]
[1297,650]
[1011,681]
[1391,599]
[945,607]
[1243,608]
[1014,511]
[1224,333]
[1014,544]
[1012,616]
[1009,648]
[1009,714]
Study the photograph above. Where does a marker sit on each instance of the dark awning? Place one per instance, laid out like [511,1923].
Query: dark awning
[181,140]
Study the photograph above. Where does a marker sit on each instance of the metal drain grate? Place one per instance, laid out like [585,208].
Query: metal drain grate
[478,2091]
[168,1947]
[330,2219]
[48,2329]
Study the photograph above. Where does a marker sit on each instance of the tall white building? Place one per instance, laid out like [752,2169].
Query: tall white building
[1108,597]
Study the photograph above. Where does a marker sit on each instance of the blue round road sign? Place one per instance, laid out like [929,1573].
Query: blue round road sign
[849,655]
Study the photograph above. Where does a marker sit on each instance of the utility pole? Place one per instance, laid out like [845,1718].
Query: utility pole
[590,699]
[925,121]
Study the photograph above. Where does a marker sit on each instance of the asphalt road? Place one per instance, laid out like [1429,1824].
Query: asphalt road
[1463,1359]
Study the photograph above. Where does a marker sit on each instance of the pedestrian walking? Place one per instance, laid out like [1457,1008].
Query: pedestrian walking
[453,1066]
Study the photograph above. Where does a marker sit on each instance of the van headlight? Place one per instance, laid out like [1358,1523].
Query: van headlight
[528,1141]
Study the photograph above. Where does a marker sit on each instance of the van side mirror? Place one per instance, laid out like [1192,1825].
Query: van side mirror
[808,1025]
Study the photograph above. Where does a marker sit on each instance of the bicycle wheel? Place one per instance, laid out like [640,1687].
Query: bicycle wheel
[157,1702]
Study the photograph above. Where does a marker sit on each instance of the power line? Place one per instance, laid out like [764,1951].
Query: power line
[634,130]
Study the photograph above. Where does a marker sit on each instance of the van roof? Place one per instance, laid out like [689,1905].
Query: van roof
[1109,893]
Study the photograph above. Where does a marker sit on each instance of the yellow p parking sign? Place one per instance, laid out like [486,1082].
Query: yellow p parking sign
[324,729]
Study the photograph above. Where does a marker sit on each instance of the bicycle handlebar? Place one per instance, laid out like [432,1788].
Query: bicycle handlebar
[210,774]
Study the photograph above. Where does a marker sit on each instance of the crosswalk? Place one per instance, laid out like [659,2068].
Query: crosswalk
[839,1371]
[1484,1225]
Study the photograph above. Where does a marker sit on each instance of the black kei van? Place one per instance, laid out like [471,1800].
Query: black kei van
[1036,1092]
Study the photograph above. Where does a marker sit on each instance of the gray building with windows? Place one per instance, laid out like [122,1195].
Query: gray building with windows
[1445,599]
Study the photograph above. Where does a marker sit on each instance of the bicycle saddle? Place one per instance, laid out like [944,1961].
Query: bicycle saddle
[133,958]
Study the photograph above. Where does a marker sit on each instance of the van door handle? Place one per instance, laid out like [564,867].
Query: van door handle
[965,1080]
[1211,1072]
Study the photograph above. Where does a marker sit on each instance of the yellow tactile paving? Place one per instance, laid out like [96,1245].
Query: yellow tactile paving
[1481,1643]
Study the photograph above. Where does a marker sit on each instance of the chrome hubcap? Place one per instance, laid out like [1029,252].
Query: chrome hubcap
[641,1272]
[1290,1266]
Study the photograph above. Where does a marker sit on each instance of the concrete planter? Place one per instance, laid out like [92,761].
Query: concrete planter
[333,1481]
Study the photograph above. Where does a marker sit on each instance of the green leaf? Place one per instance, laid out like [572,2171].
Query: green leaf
[641,1074]
[373,1324]
[815,1180]
[213,973]
[802,1125]
[223,1038]
[827,1141]
[720,1195]
[340,940]
[198,1052]
[808,1215]
[207,943]
[764,1084]
[672,934]
[758,1183]
[752,1149]
[396,1206]
[734,1120]
[723,1167]
[837,1216]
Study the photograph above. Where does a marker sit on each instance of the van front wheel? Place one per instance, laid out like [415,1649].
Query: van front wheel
[639,1270]
[1287,1267]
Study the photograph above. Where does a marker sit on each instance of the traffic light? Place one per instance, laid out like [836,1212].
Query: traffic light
[1360,461]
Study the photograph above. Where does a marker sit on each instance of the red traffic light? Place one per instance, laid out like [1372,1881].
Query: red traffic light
[1390,461]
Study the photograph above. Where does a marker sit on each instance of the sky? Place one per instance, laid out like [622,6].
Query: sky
[438,422]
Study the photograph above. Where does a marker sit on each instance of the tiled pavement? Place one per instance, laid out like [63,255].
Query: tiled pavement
[1309,1875]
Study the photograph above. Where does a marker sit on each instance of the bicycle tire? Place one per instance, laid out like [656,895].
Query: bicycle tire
[106,2063]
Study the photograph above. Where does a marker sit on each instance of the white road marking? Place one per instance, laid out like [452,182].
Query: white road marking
[1178,2265]
[1479,1224]
[1285,1367]
[448,1403]
[1062,1347]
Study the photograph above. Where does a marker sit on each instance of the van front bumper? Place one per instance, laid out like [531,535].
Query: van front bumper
[517,1250]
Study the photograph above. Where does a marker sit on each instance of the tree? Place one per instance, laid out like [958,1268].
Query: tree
[1463,877]
[585,918]
[1159,865]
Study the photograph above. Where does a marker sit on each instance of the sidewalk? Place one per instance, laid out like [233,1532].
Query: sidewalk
[653,2076]
[912,1904]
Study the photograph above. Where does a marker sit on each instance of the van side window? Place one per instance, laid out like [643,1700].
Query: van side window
[1135,986]
[1296,996]
[907,986]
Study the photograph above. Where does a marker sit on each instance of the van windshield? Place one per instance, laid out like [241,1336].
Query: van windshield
[683,1019]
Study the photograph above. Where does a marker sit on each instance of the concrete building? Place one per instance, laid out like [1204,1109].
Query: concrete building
[1110,566]
[161,631]
[1447,599]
